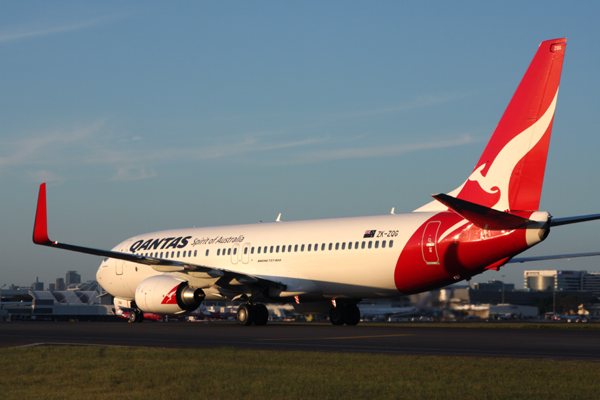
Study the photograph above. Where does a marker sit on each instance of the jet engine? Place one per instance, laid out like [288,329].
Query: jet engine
[165,294]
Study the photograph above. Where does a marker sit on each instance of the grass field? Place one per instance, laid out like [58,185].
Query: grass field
[62,372]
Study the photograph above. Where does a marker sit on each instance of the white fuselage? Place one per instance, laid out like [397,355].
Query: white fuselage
[329,257]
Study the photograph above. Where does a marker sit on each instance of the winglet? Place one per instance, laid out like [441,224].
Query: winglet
[40,229]
[483,217]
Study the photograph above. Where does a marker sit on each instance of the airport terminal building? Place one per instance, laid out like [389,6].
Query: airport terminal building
[560,281]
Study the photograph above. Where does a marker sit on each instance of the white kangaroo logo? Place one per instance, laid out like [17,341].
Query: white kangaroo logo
[501,170]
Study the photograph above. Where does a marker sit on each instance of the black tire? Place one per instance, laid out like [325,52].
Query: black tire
[261,315]
[337,316]
[245,314]
[136,316]
[352,315]
[140,314]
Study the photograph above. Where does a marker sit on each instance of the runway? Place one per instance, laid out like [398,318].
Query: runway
[559,344]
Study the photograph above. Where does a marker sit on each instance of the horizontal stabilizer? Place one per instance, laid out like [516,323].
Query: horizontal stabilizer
[554,257]
[574,220]
[483,217]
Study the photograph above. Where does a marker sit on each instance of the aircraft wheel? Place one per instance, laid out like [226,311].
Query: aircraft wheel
[261,314]
[136,316]
[352,315]
[245,314]
[337,316]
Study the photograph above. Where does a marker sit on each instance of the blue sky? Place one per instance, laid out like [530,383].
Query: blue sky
[144,116]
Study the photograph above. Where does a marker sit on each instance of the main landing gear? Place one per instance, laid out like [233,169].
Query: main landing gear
[136,315]
[248,314]
[344,313]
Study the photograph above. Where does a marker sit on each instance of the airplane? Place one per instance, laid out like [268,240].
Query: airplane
[329,265]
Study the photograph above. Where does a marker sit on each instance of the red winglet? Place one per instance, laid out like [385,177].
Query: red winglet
[40,229]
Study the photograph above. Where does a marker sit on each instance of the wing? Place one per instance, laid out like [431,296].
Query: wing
[224,276]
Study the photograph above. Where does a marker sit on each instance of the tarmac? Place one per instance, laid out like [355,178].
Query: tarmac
[557,344]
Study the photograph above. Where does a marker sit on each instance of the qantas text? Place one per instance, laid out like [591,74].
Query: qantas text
[163,243]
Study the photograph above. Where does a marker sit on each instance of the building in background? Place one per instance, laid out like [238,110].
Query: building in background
[37,285]
[60,284]
[494,285]
[562,281]
[591,283]
[556,280]
[72,278]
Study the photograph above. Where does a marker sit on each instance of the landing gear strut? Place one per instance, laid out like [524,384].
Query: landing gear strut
[344,313]
[248,314]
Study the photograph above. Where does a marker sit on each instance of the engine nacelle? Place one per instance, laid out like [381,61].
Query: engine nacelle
[165,294]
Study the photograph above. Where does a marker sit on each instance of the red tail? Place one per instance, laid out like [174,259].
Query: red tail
[510,172]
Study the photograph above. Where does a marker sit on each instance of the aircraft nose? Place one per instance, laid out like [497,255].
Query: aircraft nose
[101,273]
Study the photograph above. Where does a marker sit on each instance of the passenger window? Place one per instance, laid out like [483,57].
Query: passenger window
[356,245]
[229,251]
[277,249]
[391,243]
[302,248]
[252,250]
[265,249]
[195,253]
[323,247]
[258,252]
[271,249]
[337,246]
[290,248]
[161,255]
[235,251]
[245,250]
[330,246]
[295,248]
[206,252]
[370,243]
[283,249]
[377,244]
[363,245]
[383,244]
[308,247]
[178,254]
[343,245]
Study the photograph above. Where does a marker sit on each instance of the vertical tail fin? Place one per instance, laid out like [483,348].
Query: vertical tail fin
[510,172]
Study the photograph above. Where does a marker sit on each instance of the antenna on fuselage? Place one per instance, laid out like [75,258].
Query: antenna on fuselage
[278,218]
[393,208]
